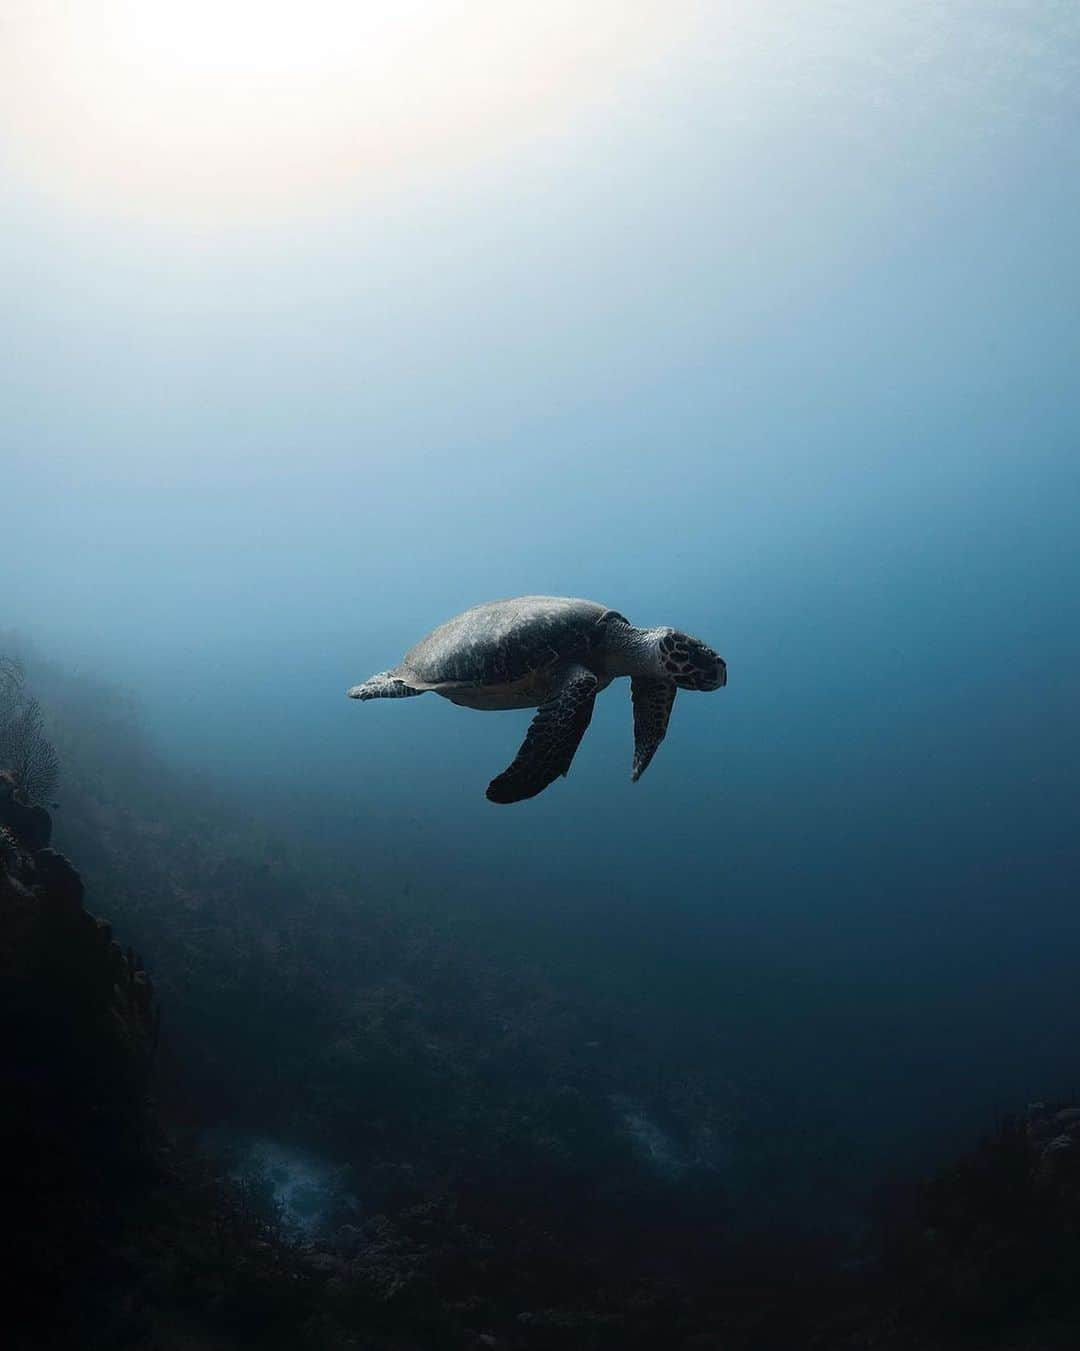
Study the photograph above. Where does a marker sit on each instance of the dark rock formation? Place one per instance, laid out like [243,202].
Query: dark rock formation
[76,1129]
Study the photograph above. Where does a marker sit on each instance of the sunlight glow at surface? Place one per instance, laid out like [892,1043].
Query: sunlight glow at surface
[275,36]
[153,107]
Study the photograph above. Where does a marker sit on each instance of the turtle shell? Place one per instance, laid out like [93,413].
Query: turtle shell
[507,640]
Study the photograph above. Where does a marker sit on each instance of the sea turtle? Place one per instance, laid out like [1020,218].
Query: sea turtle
[555,654]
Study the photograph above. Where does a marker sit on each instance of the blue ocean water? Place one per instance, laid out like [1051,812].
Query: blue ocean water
[770,336]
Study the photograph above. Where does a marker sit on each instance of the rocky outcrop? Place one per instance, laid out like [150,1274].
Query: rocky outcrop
[77,1128]
[1054,1142]
[52,951]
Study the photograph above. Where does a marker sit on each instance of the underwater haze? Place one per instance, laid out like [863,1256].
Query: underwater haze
[756,320]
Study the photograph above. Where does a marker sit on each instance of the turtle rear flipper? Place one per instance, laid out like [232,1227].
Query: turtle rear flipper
[385,685]
[552,739]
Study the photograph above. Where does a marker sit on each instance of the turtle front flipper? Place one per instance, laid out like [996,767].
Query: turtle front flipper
[653,700]
[552,739]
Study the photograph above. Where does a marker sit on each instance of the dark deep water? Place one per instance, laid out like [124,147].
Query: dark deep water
[770,336]
[848,879]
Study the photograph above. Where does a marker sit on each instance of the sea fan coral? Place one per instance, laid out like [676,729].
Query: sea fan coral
[25,751]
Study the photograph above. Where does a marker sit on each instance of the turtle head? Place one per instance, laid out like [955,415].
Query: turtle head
[688,662]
